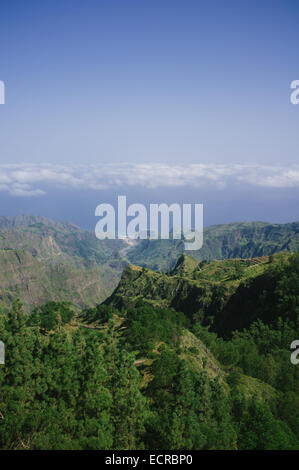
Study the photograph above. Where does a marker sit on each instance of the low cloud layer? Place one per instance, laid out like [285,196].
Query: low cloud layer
[29,180]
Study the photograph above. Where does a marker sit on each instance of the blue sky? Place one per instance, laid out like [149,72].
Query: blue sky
[164,83]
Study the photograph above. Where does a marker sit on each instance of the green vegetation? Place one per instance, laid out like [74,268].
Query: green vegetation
[67,385]
[145,326]
[235,240]
[51,314]
[197,357]
[39,256]
[67,389]
[226,295]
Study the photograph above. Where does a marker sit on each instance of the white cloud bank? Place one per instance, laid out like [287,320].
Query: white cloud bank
[28,180]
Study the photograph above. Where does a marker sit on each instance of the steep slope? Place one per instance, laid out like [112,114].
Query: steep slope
[45,238]
[192,287]
[227,294]
[235,240]
[56,261]
[33,282]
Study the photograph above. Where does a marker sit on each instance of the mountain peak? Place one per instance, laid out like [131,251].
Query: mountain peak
[185,265]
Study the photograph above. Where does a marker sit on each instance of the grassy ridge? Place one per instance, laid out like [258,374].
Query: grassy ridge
[225,294]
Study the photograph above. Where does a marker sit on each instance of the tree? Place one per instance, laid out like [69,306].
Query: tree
[259,430]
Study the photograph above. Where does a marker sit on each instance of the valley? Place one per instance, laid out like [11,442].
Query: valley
[62,253]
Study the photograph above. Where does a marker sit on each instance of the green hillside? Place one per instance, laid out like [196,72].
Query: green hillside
[226,295]
[137,374]
[77,255]
[235,240]
[196,357]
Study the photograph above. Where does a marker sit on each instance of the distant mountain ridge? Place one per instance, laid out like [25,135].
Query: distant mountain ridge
[26,220]
[43,260]
[26,232]
[51,246]
[234,240]
[224,241]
